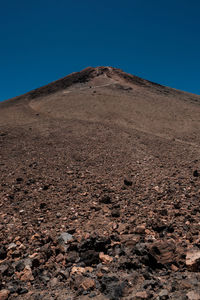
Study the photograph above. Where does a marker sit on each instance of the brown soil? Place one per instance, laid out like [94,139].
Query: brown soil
[112,161]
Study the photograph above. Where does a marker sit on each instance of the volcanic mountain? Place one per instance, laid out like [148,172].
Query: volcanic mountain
[99,190]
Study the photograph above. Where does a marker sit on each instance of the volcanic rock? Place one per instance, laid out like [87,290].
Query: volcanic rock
[99,190]
[193,260]
[4,294]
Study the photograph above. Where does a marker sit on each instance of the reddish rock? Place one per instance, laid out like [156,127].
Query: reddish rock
[193,260]
[106,259]
[141,295]
[193,295]
[4,294]
[140,229]
[163,251]
[88,284]
[26,274]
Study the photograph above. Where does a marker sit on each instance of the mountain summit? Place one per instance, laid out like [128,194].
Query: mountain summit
[94,77]
[109,95]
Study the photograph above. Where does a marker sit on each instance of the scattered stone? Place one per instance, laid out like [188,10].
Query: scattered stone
[115,213]
[163,252]
[20,266]
[59,257]
[88,284]
[65,237]
[128,182]
[3,253]
[174,268]
[4,294]
[193,260]
[141,295]
[193,295]
[53,282]
[90,257]
[106,259]
[22,291]
[45,187]
[163,295]
[43,205]
[19,180]
[77,270]
[4,268]
[72,257]
[12,246]
[196,173]
[140,229]
[106,199]
[26,274]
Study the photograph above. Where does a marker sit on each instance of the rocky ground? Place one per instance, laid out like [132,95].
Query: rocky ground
[91,210]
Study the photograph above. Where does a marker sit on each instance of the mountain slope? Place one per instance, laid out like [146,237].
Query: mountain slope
[105,94]
[112,161]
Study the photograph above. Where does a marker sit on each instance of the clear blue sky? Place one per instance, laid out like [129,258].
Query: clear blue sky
[44,40]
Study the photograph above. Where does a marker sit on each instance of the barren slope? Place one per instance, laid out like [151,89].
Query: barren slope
[109,158]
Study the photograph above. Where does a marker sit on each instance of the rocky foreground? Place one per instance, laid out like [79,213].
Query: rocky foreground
[119,244]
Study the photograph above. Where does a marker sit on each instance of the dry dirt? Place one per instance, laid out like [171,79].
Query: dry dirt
[99,190]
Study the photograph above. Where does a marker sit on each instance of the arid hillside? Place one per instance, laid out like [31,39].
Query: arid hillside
[100,190]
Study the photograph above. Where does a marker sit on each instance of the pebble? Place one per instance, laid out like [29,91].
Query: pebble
[193,260]
[163,295]
[65,237]
[193,295]
[4,294]
[141,295]
[140,229]
[88,284]
[12,246]
[105,258]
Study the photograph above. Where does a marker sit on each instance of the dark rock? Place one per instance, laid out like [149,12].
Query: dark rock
[140,249]
[106,199]
[72,257]
[99,244]
[129,263]
[177,205]
[4,268]
[36,262]
[150,283]
[13,287]
[30,181]
[160,254]
[43,205]
[22,291]
[3,253]
[159,227]
[196,173]
[108,280]
[128,182]
[9,271]
[115,213]
[19,180]
[90,257]
[111,287]
[20,266]
[45,187]
[63,274]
